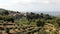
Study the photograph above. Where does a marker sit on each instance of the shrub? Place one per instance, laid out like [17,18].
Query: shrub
[40,23]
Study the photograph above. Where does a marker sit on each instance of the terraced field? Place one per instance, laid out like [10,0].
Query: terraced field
[12,28]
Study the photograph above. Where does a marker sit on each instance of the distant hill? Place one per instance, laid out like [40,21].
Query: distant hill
[53,13]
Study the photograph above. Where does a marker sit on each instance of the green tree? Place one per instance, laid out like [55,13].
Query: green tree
[5,12]
[8,18]
[40,23]
[48,17]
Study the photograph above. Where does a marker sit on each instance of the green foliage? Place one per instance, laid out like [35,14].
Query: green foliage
[40,23]
[47,17]
[56,25]
[54,32]
[8,18]
[58,21]
[1,18]
[43,32]
[6,12]
[31,19]
[7,30]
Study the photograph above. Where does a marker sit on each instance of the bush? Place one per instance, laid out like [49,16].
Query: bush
[8,18]
[7,30]
[54,32]
[43,32]
[40,23]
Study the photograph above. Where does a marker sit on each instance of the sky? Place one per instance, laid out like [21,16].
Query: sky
[30,5]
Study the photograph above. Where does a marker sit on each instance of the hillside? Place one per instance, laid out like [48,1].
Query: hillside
[28,23]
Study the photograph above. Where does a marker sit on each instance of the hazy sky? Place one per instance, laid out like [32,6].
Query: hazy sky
[31,5]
